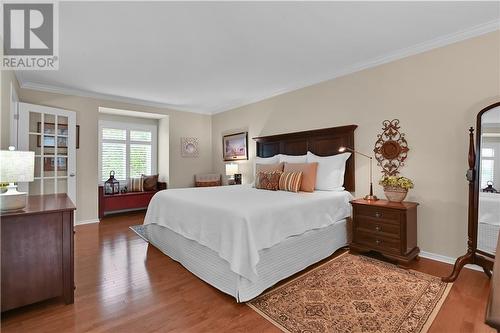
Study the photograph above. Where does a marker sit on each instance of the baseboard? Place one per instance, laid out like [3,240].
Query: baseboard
[86,221]
[447,260]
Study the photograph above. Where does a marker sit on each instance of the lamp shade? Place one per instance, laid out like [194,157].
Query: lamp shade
[16,166]
[231,169]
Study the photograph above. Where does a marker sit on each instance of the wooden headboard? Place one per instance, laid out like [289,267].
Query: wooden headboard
[322,142]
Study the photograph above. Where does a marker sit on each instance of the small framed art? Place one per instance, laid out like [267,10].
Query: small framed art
[190,147]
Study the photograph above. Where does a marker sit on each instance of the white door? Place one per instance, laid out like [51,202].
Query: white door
[51,134]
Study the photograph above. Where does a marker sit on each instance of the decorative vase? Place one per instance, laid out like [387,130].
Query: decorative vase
[395,193]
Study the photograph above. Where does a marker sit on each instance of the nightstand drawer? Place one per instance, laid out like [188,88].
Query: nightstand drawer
[378,242]
[378,213]
[377,226]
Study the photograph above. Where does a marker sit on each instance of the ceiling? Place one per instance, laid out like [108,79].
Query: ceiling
[214,56]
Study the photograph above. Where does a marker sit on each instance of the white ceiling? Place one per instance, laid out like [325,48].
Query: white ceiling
[211,57]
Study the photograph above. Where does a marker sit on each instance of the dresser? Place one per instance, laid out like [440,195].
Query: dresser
[389,228]
[37,252]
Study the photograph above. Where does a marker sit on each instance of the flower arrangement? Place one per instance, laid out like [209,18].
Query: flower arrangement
[396,188]
[394,181]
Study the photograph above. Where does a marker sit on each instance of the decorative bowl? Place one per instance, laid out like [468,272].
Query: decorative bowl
[395,193]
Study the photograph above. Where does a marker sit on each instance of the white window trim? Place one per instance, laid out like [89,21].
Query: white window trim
[130,127]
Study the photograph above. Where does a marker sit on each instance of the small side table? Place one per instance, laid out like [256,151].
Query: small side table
[389,228]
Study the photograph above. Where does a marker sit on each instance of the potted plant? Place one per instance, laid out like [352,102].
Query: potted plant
[396,188]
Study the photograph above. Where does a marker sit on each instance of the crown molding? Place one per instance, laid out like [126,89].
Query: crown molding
[95,95]
[442,41]
[462,35]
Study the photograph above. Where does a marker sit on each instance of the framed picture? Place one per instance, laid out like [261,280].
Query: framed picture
[190,147]
[235,146]
[62,129]
[49,164]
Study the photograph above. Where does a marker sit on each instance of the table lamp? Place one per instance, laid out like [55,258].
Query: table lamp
[15,166]
[369,196]
[231,169]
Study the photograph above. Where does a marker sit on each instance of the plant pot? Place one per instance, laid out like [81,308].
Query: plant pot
[395,193]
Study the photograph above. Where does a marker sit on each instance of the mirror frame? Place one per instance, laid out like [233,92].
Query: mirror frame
[473,255]
[477,180]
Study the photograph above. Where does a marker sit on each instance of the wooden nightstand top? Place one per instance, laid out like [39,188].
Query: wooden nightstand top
[385,204]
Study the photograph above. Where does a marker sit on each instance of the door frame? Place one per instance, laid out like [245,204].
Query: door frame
[23,140]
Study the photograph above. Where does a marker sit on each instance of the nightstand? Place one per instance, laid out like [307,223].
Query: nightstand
[389,228]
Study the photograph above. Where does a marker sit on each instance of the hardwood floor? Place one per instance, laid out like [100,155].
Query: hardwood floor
[124,285]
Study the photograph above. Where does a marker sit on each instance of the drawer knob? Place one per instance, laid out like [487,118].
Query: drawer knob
[378,242]
[377,214]
[377,227]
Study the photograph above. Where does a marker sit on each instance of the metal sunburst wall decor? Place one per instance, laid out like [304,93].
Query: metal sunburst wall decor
[391,148]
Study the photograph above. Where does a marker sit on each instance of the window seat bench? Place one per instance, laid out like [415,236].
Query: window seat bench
[116,203]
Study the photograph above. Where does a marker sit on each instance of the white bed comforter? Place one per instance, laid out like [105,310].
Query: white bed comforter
[489,208]
[238,221]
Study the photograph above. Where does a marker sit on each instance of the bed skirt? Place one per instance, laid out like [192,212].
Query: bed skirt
[276,263]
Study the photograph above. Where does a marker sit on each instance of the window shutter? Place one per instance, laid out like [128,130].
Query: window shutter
[116,143]
[114,156]
[140,160]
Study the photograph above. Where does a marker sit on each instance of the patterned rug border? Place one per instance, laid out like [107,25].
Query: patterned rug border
[284,285]
[437,307]
[425,327]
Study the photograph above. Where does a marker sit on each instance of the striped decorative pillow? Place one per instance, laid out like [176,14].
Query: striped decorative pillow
[135,184]
[290,181]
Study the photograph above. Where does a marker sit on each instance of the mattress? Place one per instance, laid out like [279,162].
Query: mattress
[276,263]
[239,221]
[489,221]
[487,237]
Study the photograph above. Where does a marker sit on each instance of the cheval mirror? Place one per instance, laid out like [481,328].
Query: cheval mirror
[484,193]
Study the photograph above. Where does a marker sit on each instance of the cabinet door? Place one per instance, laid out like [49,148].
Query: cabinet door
[32,268]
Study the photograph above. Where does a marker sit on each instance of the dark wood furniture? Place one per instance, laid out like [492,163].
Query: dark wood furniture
[474,255]
[125,201]
[207,180]
[493,306]
[322,142]
[389,228]
[37,251]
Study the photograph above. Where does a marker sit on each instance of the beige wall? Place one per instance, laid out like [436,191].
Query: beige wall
[436,95]
[7,78]
[181,124]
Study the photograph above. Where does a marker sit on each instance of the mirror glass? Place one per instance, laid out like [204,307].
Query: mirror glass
[489,178]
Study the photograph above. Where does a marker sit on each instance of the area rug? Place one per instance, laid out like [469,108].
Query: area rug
[139,230]
[354,294]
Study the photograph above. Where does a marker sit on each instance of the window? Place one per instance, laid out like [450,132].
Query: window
[487,166]
[127,149]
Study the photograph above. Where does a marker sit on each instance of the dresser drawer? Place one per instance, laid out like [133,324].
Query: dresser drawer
[378,226]
[378,213]
[378,242]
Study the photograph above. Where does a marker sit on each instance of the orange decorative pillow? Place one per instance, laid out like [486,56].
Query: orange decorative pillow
[290,181]
[309,171]
[266,168]
[269,180]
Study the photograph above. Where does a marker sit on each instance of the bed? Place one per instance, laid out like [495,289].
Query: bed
[489,221]
[243,240]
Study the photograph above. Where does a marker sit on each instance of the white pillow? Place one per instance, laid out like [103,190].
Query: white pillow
[293,158]
[267,160]
[264,160]
[330,175]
